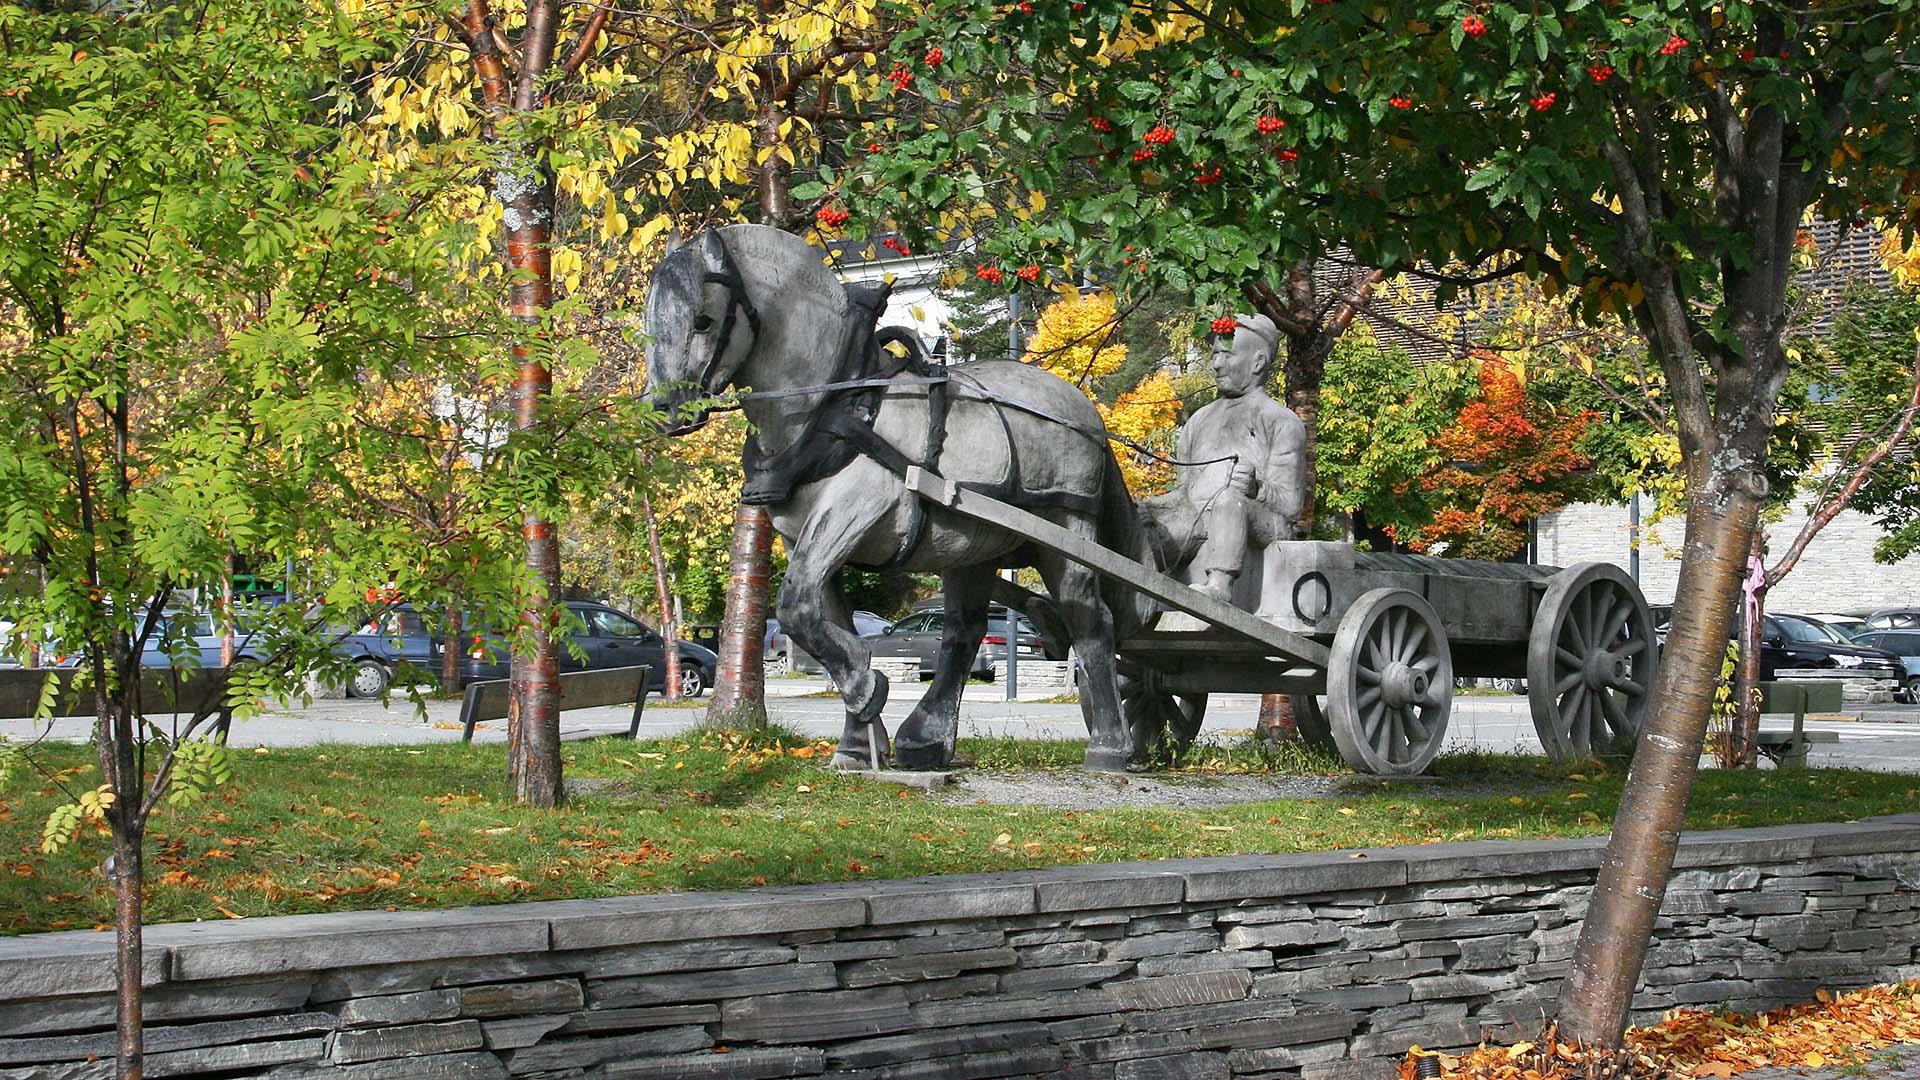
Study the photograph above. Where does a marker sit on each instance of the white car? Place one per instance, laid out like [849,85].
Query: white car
[1850,626]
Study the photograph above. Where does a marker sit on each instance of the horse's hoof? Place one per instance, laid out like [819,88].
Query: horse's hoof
[846,761]
[1107,761]
[870,704]
[926,758]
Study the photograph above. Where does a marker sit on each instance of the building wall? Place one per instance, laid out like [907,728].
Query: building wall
[1319,966]
[1837,573]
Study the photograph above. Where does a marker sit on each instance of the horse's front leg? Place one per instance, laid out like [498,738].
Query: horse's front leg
[1077,591]
[814,614]
[927,736]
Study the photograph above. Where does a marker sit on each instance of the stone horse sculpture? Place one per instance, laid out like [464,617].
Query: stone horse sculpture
[838,420]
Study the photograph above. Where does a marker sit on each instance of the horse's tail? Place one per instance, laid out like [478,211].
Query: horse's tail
[1124,529]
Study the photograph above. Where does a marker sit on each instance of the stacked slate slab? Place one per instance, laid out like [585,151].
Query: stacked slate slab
[1324,966]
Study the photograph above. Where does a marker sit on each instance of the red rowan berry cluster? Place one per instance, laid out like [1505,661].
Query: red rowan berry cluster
[1543,102]
[900,77]
[1160,135]
[1102,125]
[1674,44]
[831,216]
[1205,176]
[1028,272]
[1473,26]
[1225,324]
[992,274]
[934,56]
[1400,101]
[1287,155]
[896,245]
[1267,125]
[1600,72]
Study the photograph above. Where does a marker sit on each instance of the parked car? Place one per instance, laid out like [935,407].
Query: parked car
[1797,642]
[193,637]
[392,640]
[780,648]
[919,634]
[1900,618]
[1904,644]
[1850,626]
[608,638]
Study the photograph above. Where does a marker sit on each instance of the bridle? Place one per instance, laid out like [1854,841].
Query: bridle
[728,274]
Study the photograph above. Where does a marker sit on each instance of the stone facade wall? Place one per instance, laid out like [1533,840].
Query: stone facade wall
[1836,574]
[1323,966]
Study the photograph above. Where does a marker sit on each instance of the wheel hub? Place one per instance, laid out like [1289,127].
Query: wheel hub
[1402,684]
[1604,669]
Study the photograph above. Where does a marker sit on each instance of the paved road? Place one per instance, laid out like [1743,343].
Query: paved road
[1887,736]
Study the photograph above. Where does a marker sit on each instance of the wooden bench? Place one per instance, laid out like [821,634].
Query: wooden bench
[490,699]
[163,691]
[1788,749]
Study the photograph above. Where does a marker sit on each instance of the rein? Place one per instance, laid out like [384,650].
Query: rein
[982,393]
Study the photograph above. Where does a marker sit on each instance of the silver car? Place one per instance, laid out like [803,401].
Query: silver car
[918,635]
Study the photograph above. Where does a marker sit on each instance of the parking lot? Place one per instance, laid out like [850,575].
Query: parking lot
[1883,736]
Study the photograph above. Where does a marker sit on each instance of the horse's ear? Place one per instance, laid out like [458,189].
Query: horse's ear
[712,251]
[673,239]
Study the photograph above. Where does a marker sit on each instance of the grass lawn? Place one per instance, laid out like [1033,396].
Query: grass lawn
[340,828]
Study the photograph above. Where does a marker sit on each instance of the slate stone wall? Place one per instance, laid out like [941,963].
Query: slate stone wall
[1304,967]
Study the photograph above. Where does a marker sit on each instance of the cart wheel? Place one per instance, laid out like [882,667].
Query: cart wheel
[1590,660]
[1156,717]
[1310,716]
[1389,684]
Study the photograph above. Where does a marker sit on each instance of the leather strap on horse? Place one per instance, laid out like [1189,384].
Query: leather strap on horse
[840,427]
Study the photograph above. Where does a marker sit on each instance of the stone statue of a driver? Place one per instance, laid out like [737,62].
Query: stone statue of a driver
[1242,481]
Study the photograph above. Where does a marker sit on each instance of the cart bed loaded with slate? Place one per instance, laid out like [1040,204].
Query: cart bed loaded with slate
[1371,642]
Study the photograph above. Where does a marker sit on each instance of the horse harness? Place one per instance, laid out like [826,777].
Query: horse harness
[840,426]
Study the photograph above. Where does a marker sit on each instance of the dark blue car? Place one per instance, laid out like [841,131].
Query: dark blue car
[392,640]
[606,638]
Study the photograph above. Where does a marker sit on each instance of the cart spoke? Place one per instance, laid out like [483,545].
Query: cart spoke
[1617,626]
[1416,637]
[1381,734]
[1367,676]
[1426,663]
[1568,682]
[1632,647]
[1366,699]
[1396,621]
[1571,705]
[1572,630]
[1616,714]
[1629,687]
[1569,658]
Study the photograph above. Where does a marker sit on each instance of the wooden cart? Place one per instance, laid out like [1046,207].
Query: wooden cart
[1371,642]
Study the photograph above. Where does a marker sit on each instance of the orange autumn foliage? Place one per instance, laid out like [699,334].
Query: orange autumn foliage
[1835,1030]
[1510,457]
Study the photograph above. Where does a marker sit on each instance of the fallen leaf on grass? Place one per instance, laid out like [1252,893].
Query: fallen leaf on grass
[1217,828]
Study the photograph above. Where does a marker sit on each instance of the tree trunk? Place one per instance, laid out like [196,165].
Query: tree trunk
[523,185]
[740,691]
[1721,515]
[452,652]
[114,735]
[740,685]
[1744,753]
[227,650]
[128,875]
[669,633]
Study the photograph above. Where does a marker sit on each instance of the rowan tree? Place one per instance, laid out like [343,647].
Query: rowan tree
[196,268]
[1656,160]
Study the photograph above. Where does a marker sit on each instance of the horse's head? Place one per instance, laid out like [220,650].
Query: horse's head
[703,326]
